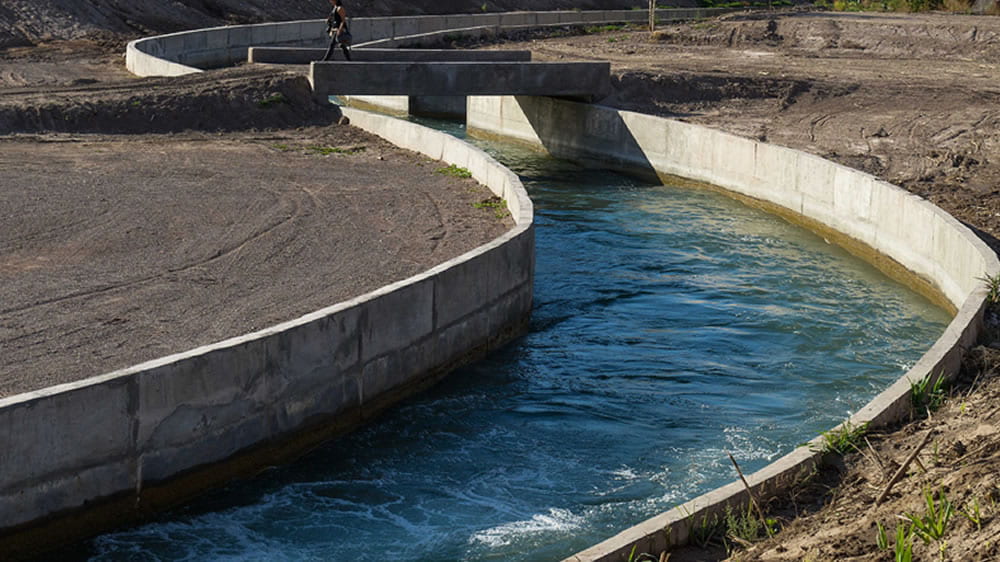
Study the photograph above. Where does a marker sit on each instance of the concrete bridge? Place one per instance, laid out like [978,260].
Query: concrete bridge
[437,81]
[583,80]
[306,55]
[441,73]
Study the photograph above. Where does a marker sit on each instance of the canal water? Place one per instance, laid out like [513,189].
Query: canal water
[671,326]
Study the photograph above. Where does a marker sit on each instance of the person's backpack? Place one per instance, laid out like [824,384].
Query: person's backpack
[343,38]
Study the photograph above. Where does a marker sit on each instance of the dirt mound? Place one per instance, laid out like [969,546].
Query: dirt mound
[117,249]
[883,35]
[228,100]
[25,22]
[29,22]
[668,91]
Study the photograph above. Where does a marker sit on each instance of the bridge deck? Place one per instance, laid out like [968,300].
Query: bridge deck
[303,55]
[573,79]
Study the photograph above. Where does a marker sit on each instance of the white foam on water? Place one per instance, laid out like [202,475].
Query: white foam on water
[556,520]
[625,473]
[747,446]
[217,538]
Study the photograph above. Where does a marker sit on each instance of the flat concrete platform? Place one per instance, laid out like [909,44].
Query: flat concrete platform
[304,55]
[587,80]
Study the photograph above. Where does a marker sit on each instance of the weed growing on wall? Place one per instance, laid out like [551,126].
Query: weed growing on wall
[841,439]
[927,397]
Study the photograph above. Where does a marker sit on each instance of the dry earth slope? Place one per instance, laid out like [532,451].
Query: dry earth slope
[27,22]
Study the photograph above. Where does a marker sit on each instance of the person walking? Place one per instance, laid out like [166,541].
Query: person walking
[336,27]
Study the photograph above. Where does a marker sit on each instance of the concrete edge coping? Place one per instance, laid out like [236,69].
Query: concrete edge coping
[141,63]
[140,60]
[499,179]
[389,42]
[672,527]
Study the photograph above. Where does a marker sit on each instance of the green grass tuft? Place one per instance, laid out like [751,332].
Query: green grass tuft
[273,99]
[992,288]
[926,396]
[745,527]
[455,171]
[842,439]
[605,28]
[498,205]
[328,150]
[933,524]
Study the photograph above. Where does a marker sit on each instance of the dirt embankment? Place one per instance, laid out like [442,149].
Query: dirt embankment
[30,22]
[227,100]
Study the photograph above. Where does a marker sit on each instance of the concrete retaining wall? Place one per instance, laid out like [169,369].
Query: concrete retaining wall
[892,227]
[114,436]
[190,51]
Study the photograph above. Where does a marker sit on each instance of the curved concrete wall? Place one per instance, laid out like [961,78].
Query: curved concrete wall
[189,51]
[114,436]
[866,212]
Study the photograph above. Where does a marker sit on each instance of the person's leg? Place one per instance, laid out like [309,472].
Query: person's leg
[347,52]
[329,51]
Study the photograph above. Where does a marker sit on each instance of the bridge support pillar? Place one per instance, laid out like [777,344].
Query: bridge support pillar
[445,107]
[442,107]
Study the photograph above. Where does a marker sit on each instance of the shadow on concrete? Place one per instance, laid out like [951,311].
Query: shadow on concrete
[992,241]
[558,123]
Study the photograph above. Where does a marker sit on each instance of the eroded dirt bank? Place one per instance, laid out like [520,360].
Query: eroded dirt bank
[30,22]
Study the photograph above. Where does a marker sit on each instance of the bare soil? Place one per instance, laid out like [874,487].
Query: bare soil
[117,251]
[31,22]
[143,217]
[912,99]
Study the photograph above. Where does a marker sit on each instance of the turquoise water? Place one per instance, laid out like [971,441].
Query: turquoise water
[670,326]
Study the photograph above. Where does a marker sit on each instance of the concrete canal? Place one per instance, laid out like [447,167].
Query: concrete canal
[670,326]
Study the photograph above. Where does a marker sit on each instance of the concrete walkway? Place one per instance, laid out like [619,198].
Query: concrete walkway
[306,55]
